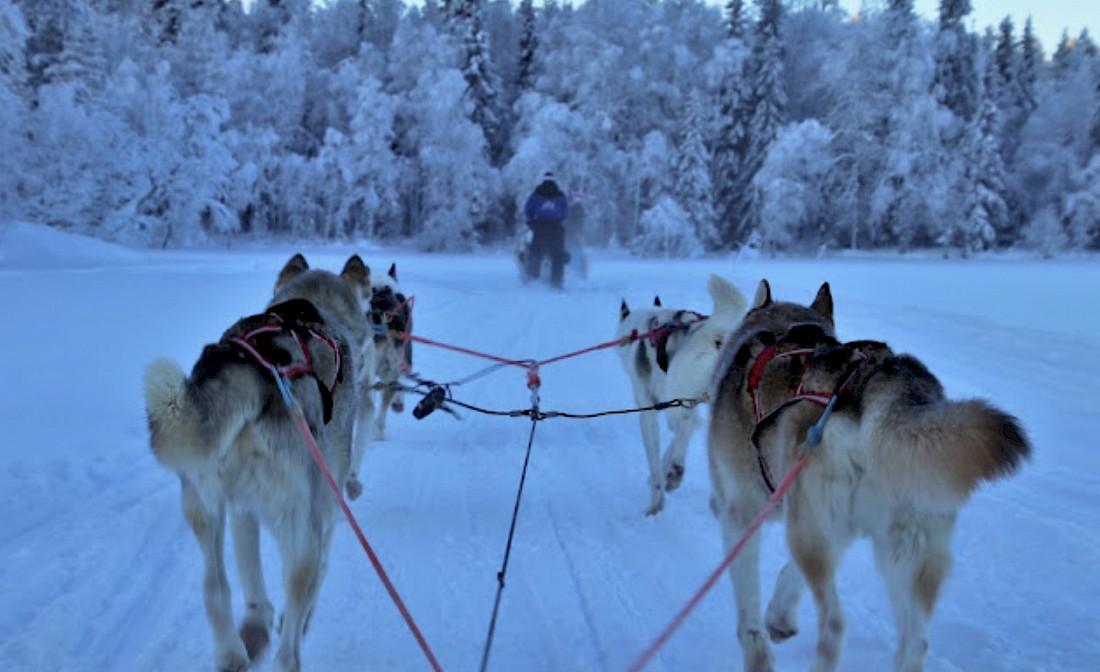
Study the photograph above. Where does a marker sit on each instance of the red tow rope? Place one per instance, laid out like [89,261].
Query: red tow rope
[315,451]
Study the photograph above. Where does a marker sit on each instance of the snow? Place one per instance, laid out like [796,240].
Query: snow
[100,571]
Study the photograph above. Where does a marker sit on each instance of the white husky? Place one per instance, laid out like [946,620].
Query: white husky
[674,360]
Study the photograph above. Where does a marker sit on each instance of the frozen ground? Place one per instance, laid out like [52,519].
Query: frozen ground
[101,573]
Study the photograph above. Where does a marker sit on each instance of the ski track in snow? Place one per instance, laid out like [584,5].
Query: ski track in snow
[101,572]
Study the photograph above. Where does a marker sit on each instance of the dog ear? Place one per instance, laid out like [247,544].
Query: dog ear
[295,267]
[357,273]
[763,295]
[623,311]
[657,301]
[823,303]
[393,271]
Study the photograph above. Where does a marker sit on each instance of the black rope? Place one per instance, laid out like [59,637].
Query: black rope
[544,415]
[511,534]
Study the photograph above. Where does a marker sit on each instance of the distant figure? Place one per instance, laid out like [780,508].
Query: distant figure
[545,212]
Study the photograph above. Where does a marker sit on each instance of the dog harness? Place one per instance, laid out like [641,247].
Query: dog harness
[822,399]
[659,333]
[265,353]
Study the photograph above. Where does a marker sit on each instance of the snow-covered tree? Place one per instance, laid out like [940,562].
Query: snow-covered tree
[483,86]
[982,219]
[767,107]
[692,187]
[13,107]
[1082,207]
[528,48]
[790,188]
[957,83]
[666,230]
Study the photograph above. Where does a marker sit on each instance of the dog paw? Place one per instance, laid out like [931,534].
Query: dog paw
[255,637]
[398,406]
[781,630]
[233,661]
[674,477]
[353,487]
[656,503]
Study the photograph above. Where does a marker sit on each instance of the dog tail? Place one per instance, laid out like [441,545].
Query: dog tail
[948,449]
[192,421]
[729,303]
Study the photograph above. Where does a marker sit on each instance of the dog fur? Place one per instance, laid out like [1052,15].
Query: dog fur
[227,433]
[896,462]
[676,365]
[391,316]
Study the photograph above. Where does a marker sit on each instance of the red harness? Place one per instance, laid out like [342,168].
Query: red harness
[756,373]
[277,325]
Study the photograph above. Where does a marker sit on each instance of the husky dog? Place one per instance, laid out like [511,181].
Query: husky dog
[227,433]
[670,354]
[391,317]
[896,461]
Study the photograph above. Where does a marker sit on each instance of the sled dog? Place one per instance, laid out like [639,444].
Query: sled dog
[896,462]
[225,430]
[391,317]
[675,361]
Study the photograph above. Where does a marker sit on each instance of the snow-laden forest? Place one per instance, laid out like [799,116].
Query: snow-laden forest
[678,128]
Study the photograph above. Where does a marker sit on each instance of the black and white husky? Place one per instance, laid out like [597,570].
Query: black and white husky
[670,354]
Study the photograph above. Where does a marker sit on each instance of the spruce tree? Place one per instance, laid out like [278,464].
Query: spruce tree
[767,106]
[482,83]
[691,178]
[731,135]
[528,47]
[957,82]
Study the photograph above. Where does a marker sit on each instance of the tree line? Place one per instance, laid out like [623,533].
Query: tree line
[678,128]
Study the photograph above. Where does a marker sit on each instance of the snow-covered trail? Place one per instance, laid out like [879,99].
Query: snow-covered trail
[101,573]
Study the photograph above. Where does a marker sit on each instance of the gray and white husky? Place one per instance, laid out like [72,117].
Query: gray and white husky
[895,463]
[675,361]
[227,433]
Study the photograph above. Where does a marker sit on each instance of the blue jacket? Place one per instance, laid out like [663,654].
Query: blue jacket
[546,204]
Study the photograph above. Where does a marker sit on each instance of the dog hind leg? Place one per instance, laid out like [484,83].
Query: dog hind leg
[259,612]
[364,414]
[817,554]
[207,521]
[745,575]
[914,560]
[302,548]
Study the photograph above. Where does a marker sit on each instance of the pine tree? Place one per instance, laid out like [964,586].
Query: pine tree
[1010,90]
[692,187]
[482,82]
[767,107]
[1030,59]
[731,140]
[985,212]
[957,83]
[735,19]
[528,48]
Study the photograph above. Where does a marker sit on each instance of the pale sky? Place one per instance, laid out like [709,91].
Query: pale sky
[1049,18]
